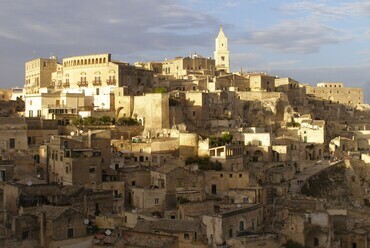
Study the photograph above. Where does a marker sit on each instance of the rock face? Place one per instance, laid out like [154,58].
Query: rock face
[272,110]
[338,184]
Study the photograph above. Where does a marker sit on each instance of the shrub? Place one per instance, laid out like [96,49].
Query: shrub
[160,90]
[127,121]
[105,119]
[293,244]
[204,163]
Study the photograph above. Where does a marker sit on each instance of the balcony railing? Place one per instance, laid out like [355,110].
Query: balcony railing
[82,83]
[111,81]
[97,82]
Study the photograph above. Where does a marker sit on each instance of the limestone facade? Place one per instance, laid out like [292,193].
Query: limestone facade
[337,93]
[38,74]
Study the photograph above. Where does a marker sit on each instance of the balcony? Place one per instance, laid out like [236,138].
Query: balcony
[111,81]
[82,83]
[97,83]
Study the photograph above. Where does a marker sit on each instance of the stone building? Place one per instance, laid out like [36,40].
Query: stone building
[337,93]
[181,67]
[231,220]
[219,183]
[261,82]
[50,104]
[38,74]
[189,233]
[232,82]
[230,156]
[53,226]
[5,94]
[178,183]
[13,135]
[6,170]
[92,75]
[71,163]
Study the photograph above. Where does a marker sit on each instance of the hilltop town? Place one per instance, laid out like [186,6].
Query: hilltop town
[183,152]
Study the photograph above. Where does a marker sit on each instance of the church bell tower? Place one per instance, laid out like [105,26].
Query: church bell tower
[222,55]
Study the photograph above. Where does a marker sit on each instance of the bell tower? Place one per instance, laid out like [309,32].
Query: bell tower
[222,55]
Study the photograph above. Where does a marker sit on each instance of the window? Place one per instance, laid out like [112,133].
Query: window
[193,184]
[97,91]
[193,113]
[39,113]
[186,236]
[67,170]
[240,175]
[2,175]
[180,182]
[214,189]
[241,225]
[231,175]
[11,143]
[230,232]
[25,234]
[70,232]
[133,183]
[156,201]
[30,113]
[92,170]
[221,175]
[316,242]
[223,58]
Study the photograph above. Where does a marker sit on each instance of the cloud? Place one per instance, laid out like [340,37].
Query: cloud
[123,28]
[324,9]
[295,36]
[110,23]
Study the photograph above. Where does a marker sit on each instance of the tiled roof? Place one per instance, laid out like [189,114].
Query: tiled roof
[54,212]
[171,226]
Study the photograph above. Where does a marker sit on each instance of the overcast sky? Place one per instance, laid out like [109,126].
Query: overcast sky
[310,41]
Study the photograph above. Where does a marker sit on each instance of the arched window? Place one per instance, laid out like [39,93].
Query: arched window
[89,61]
[96,61]
[104,60]
[85,61]
[100,61]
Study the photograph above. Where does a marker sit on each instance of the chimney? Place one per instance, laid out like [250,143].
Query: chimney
[42,228]
[89,139]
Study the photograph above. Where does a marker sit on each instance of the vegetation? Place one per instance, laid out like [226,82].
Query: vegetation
[90,121]
[204,163]
[293,244]
[293,123]
[182,200]
[226,138]
[127,121]
[160,90]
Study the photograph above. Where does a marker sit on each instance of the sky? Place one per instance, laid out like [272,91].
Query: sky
[310,41]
